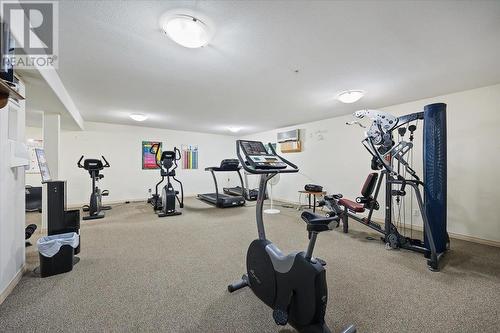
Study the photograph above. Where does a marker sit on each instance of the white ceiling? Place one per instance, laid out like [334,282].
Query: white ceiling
[114,61]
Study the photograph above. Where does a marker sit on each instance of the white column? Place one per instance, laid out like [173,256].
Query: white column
[51,145]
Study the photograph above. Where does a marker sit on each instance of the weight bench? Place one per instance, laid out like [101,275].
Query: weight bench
[365,201]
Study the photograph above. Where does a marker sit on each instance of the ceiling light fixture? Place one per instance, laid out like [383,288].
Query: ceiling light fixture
[234,129]
[350,96]
[186,29]
[138,116]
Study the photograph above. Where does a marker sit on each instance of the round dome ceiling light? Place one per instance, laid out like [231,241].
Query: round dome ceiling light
[138,116]
[186,29]
[234,129]
[350,96]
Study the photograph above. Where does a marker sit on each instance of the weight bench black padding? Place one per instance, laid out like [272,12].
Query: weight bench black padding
[366,192]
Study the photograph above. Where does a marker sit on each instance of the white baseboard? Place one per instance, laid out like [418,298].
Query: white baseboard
[79,205]
[420,228]
[13,283]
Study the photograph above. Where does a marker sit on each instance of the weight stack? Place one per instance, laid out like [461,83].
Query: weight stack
[435,174]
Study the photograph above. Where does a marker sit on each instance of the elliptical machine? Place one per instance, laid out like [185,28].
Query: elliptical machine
[93,166]
[165,205]
[293,285]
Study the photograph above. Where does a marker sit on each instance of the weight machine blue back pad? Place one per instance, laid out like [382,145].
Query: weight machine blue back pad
[435,173]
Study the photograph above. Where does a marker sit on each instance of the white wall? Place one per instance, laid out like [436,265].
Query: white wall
[334,157]
[12,216]
[121,145]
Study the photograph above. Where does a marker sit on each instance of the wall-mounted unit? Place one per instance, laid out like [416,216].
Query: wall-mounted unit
[293,135]
[291,147]
[290,141]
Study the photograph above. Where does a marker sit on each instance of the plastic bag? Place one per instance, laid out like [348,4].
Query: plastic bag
[49,246]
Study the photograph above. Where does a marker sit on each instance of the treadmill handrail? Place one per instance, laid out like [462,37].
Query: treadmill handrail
[252,170]
[218,169]
[213,170]
[216,187]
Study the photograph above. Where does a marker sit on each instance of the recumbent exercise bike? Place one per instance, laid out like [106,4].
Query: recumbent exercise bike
[93,166]
[293,285]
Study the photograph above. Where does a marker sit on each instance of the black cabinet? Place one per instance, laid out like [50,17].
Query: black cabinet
[60,220]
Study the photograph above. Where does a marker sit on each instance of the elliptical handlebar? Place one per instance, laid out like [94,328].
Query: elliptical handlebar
[170,155]
[177,153]
[176,158]
[155,152]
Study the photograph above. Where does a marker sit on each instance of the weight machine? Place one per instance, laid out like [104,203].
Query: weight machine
[394,160]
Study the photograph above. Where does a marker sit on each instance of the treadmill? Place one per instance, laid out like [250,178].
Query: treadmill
[222,200]
[246,192]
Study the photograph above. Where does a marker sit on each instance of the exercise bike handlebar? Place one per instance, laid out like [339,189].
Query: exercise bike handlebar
[250,169]
[105,161]
[294,166]
[79,164]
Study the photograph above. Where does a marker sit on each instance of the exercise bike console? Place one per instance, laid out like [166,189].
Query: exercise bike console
[258,157]
[257,160]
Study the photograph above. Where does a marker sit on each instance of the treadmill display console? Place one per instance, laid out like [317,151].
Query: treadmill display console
[260,158]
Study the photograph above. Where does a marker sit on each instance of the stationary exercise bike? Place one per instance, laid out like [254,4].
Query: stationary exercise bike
[93,166]
[293,285]
[169,196]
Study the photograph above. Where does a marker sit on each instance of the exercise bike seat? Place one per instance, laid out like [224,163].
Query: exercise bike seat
[317,222]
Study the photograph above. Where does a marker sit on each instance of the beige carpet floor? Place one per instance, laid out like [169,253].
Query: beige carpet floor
[139,272]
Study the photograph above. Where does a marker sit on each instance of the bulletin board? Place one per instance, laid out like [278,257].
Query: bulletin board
[148,158]
[189,156]
[32,145]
